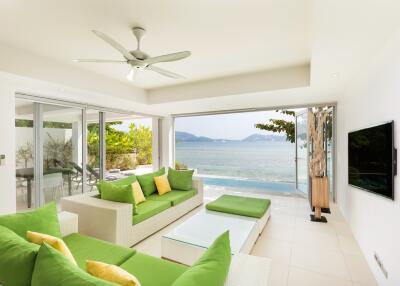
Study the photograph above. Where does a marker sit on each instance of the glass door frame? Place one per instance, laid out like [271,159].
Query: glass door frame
[296,153]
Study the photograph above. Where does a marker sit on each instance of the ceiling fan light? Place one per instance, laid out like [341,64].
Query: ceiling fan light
[131,75]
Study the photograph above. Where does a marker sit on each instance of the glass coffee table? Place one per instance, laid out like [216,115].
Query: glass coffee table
[188,241]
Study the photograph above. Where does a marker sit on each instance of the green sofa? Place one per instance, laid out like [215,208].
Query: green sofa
[143,266]
[23,263]
[115,222]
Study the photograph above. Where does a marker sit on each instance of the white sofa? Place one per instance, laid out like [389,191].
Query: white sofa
[112,221]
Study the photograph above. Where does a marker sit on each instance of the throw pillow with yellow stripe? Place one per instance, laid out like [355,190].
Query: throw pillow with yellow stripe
[55,242]
[111,273]
[162,184]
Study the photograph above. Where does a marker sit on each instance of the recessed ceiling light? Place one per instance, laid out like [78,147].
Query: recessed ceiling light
[335,74]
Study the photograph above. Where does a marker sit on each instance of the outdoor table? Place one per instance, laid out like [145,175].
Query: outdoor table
[28,174]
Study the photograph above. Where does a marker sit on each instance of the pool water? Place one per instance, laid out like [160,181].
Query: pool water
[249,184]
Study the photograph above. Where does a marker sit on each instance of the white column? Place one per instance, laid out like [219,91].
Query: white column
[156,144]
[77,141]
[168,142]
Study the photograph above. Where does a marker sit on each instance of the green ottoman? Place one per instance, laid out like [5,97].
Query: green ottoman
[244,206]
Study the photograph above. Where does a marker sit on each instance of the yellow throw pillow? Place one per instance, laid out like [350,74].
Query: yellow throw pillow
[111,273]
[55,242]
[137,193]
[162,184]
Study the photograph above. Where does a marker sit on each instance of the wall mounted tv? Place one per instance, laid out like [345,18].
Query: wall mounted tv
[372,159]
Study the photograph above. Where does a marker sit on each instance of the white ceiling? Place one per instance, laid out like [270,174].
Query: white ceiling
[338,38]
[226,37]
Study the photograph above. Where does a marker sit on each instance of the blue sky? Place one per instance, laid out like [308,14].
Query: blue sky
[125,125]
[227,126]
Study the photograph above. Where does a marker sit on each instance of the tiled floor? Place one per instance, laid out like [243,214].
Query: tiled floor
[302,252]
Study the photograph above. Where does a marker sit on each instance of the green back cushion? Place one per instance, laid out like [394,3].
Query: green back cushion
[54,269]
[117,193]
[43,220]
[121,182]
[212,267]
[17,259]
[146,181]
[180,180]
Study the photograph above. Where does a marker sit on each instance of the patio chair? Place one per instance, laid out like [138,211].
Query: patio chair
[78,176]
[53,186]
[93,177]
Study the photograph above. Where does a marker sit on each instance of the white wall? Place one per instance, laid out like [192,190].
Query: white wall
[372,98]
[7,147]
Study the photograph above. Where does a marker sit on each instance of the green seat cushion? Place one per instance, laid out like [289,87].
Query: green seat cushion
[117,193]
[88,248]
[174,197]
[211,268]
[180,180]
[17,259]
[152,271]
[146,181]
[244,206]
[148,209]
[53,269]
[43,220]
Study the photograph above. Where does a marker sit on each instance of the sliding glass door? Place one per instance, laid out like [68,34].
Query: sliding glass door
[49,153]
[302,152]
[64,149]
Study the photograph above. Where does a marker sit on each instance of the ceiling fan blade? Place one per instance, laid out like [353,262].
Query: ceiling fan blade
[114,44]
[97,61]
[165,72]
[168,58]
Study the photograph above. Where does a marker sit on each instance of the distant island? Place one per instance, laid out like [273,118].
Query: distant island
[188,137]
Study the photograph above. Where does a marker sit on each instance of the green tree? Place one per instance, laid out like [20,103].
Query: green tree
[120,145]
[280,125]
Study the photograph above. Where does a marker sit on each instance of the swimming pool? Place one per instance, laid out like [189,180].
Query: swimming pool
[249,184]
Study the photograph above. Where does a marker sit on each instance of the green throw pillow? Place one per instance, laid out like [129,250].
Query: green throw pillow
[17,259]
[43,220]
[212,267]
[180,180]
[54,269]
[115,193]
[146,181]
[121,182]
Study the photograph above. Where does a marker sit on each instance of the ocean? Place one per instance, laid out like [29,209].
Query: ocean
[259,165]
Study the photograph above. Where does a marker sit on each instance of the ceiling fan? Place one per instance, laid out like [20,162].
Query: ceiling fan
[138,59]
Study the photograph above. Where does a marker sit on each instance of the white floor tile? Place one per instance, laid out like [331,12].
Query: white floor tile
[349,245]
[278,274]
[301,277]
[321,261]
[317,240]
[277,250]
[359,270]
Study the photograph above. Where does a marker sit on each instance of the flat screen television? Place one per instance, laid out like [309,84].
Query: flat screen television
[372,159]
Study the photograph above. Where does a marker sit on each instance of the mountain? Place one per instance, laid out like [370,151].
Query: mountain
[188,137]
[262,137]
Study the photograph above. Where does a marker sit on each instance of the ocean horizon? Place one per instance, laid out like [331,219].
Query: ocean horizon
[261,161]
